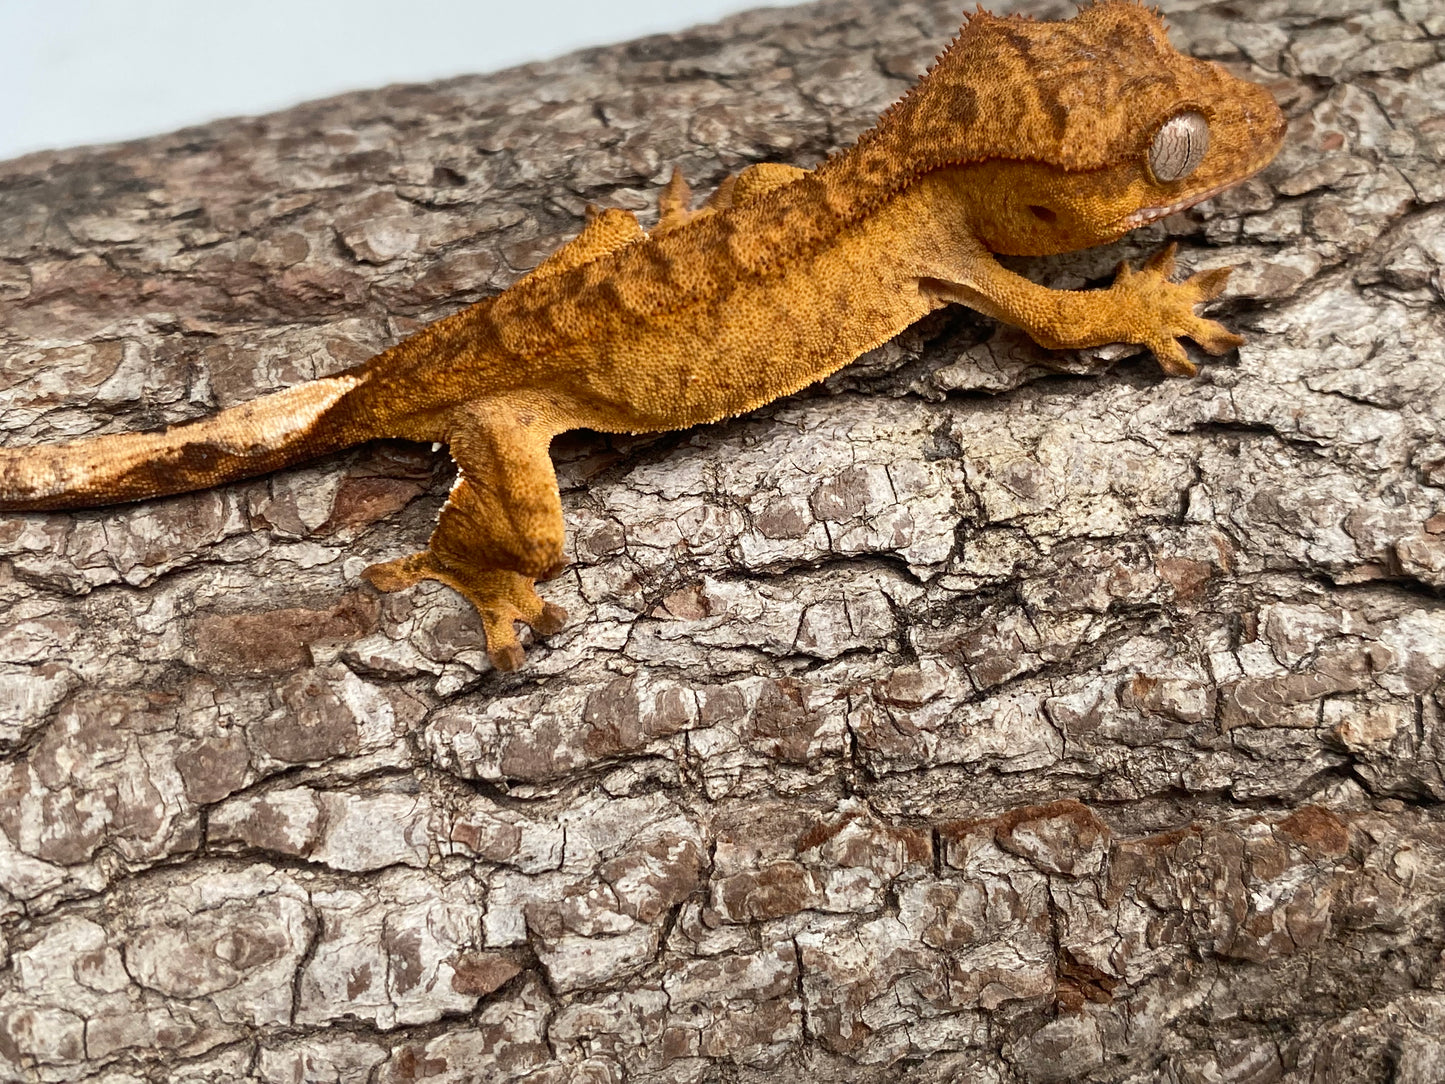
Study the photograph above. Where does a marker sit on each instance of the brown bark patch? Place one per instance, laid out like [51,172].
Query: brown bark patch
[278,641]
[1317,829]
[481,973]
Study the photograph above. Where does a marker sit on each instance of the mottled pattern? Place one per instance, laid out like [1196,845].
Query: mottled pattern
[983,714]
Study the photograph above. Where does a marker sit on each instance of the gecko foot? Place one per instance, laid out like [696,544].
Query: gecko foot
[501,598]
[1164,310]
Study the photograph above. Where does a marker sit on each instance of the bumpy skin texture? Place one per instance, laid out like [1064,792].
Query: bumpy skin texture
[1025,138]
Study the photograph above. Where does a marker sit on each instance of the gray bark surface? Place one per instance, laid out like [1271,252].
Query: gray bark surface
[980,714]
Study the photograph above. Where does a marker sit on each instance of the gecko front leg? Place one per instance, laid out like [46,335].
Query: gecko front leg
[1141,306]
[501,529]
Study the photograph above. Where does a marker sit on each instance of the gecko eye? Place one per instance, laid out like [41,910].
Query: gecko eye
[1179,146]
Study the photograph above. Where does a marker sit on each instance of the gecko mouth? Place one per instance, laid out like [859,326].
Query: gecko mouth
[1145,215]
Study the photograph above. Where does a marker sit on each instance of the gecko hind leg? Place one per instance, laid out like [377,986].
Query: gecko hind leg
[500,530]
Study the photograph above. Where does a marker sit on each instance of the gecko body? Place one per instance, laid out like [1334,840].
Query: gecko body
[1024,138]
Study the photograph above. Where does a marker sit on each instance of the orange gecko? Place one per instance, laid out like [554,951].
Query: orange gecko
[1024,138]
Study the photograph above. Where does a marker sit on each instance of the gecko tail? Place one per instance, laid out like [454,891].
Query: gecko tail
[253,438]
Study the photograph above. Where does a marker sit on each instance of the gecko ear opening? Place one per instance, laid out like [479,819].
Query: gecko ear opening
[1044,214]
[1179,146]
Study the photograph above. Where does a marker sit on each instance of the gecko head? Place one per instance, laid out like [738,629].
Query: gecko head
[1092,126]
[1188,155]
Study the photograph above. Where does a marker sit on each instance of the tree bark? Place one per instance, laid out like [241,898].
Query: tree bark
[980,714]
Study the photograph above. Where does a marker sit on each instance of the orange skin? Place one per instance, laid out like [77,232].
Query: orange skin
[1025,138]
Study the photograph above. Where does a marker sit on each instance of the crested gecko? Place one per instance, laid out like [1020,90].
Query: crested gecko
[1023,138]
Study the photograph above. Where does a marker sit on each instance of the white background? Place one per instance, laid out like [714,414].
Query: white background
[89,71]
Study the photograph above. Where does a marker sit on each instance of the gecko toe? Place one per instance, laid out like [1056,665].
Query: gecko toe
[1162,262]
[1172,358]
[508,657]
[551,620]
[1209,284]
[501,598]
[399,574]
[1215,337]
